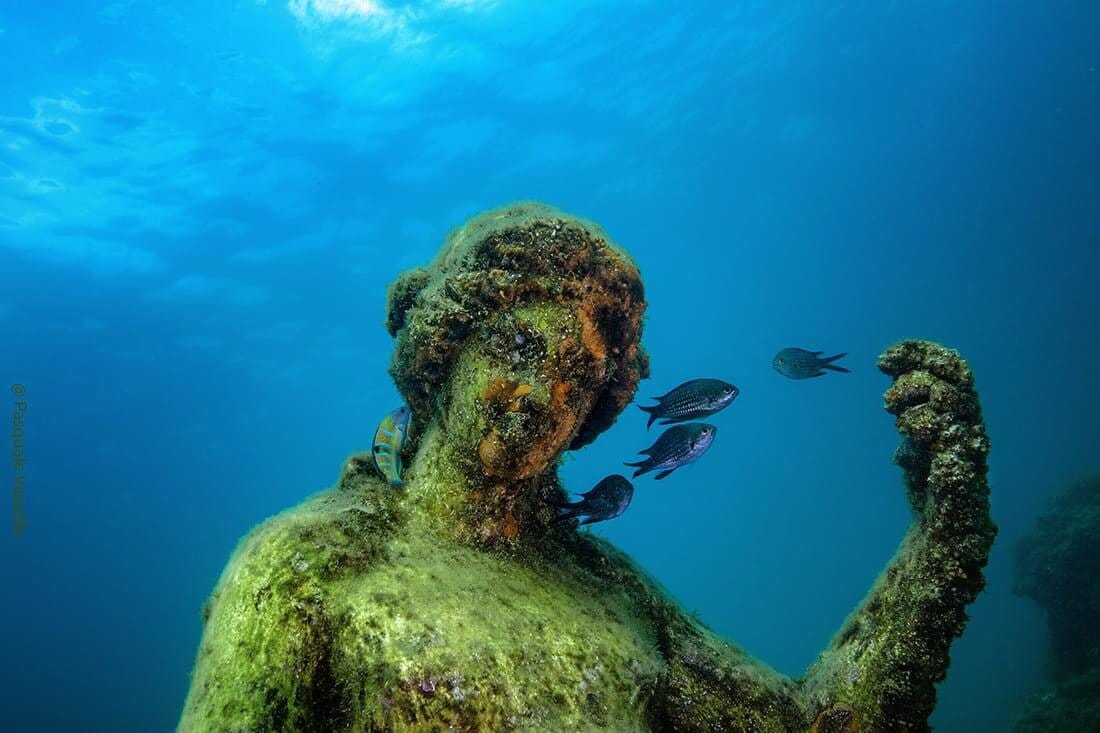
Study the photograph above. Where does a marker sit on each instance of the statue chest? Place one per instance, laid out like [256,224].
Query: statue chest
[456,637]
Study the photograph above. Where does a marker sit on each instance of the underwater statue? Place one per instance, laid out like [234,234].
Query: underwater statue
[458,603]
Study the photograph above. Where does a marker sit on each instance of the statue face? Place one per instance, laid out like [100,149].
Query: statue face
[521,387]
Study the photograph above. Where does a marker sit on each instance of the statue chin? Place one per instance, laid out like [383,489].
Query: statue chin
[528,454]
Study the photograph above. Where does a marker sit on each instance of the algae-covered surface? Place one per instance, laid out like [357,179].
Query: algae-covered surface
[457,603]
[329,619]
[348,613]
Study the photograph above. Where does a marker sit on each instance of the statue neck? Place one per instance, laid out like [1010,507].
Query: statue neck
[448,489]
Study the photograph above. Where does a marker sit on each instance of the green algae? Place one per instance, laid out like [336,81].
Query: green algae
[456,603]
[890,653]
[266,661]
[521,255]
[478,641]
[310,631]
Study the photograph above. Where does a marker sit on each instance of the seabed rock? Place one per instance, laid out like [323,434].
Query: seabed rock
[1058,566]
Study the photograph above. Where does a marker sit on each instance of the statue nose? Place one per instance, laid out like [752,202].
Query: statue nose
[511,394]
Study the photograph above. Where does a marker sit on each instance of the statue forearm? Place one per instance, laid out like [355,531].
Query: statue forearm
[881,668]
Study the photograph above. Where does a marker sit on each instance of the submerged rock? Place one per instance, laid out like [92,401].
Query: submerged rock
[1069,706]
[457,604]
[1058,566]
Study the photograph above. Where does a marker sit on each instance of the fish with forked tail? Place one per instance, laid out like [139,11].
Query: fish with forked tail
[677,446]
[389,439]
[691,400]
[606,500]
[795,363]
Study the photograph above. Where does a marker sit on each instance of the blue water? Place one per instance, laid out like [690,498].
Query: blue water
[201,204]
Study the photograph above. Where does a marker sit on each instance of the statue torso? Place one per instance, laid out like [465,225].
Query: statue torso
[478,640]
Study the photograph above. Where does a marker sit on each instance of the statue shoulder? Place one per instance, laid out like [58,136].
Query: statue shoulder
[338,531]
[268,629]
[613,566]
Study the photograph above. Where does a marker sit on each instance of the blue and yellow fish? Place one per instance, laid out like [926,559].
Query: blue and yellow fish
[389,439]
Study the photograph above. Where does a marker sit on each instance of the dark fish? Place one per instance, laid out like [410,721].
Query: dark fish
[606,500]
[389,439]
[691,400]
[677,446]
[801,364]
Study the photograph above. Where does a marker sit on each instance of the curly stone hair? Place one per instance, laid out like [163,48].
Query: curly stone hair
[521,254]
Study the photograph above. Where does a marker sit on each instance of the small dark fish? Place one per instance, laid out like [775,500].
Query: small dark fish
[677,446]
[389,439]
[691,400]
[801,364]
[606,500]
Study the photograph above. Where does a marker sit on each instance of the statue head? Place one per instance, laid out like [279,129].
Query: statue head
[520,340]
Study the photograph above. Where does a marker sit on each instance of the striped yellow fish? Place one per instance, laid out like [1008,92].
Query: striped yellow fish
[389,439]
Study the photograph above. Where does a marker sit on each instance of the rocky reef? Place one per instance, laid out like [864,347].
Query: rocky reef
[1058,566]
[456,604]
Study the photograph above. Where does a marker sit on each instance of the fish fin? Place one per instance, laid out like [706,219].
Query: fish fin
[564,504]
[664,474]
[591,519]
[396,483]
[828,364]
[819,374]
[635,464]
[640,471]
[651,410]
[834,357]
[564,517]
